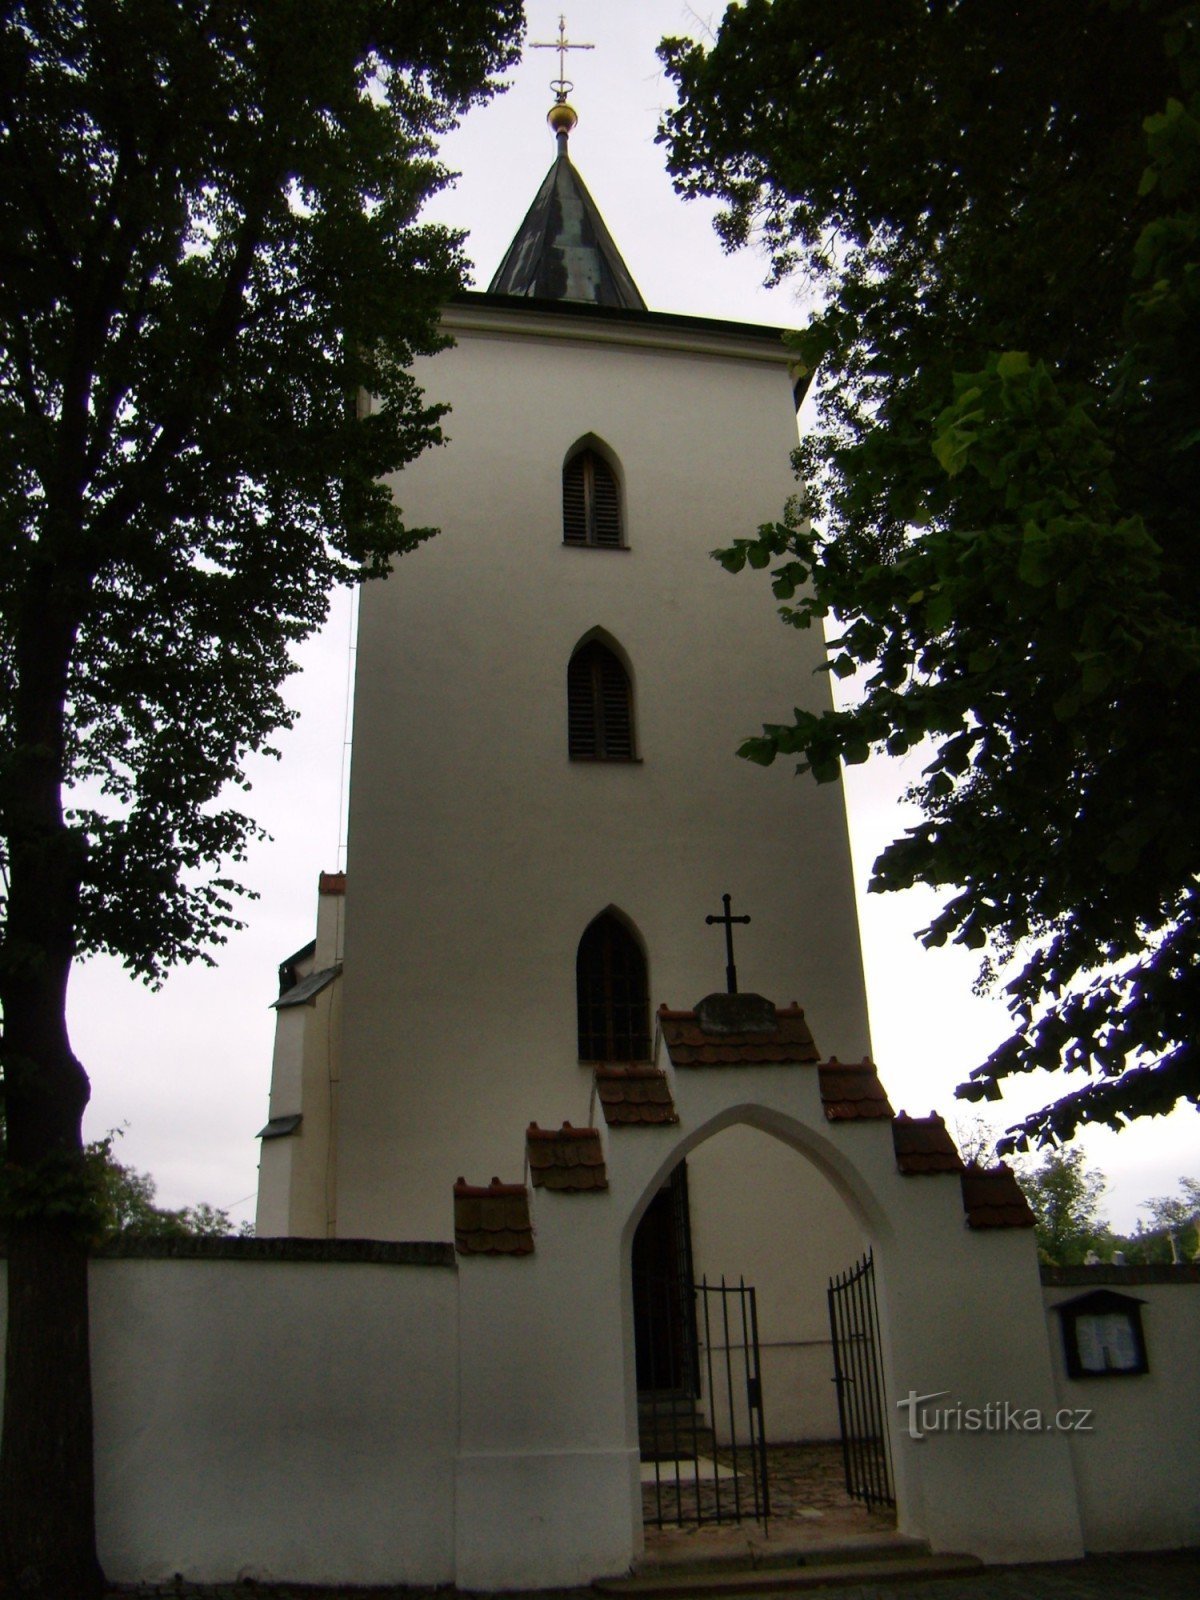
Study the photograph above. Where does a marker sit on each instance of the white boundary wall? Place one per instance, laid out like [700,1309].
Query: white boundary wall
[365,1416]
[1137,1469]
[275,1418]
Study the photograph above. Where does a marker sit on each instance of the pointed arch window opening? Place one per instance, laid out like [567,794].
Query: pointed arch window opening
[592,503]
[599,706]
[612,992]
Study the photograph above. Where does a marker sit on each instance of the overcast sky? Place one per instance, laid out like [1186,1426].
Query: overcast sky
[186,1071]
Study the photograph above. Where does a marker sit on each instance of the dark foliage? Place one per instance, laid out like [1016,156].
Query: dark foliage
[209,252]
[998,205]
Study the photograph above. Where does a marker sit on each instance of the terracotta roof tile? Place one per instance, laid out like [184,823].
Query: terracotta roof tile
[635,1094]
[852,1093]
[742,1030]
[992,1198]
[570,1159]
[493,1221]
[923,1144]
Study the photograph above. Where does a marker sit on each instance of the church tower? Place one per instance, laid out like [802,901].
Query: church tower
[546,800]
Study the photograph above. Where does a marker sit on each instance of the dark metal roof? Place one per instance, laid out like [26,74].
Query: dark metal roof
[288,975]
[307,989]
[280,1127]
[563,251]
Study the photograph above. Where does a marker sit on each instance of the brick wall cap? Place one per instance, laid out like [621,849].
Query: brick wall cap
[992,1197]
[924,1145]
[483,1191]
[635,1096]
[852,1092]
[567,1131]
[492,1221]
[751,1032]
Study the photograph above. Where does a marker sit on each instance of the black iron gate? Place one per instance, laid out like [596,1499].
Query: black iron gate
[703,1445]
[854,1325]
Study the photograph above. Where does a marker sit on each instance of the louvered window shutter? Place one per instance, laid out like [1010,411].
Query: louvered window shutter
[581,706]
[612,993]
[599,711]
[574,502]
[605,504]
[591,502]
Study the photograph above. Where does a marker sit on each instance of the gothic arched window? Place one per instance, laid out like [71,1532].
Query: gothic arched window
[599,706]
[612,993]
[591,501]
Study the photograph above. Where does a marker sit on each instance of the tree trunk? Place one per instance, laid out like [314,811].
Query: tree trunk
[47,1514]
[47,1517]
[47,1511]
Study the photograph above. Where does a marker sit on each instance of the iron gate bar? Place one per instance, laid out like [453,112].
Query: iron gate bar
[754,1395]
[858,1393]
[712,1407]
[853,1323]
[692,1498]
[878,1402]
[863,1479]
[737,1498]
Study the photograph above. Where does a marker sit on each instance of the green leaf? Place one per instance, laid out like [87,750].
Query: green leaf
[1037,553]
[1013,364]
[761,751]
[855,751]
[1067,705]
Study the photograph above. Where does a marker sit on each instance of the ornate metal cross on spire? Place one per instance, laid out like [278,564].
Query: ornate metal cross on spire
[561,85]
[728,919]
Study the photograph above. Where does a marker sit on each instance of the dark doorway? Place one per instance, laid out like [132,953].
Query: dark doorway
[664,1311]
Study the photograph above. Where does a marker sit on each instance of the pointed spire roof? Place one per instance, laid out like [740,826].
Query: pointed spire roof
[562,250]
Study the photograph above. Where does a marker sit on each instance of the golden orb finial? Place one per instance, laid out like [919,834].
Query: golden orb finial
[561,117]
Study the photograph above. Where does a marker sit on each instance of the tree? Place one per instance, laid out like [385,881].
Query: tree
[1178,1217]
[999,208]
[209,250]
[976,1140]
[127,1209]
[1064,1196]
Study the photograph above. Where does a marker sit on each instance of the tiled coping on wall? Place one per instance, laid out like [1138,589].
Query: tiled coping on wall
[375,1252]
[1107,1272]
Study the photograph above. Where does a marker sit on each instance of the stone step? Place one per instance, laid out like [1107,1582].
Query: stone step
[878,1545]
[811,1571]
[671,1429]
[668,1444]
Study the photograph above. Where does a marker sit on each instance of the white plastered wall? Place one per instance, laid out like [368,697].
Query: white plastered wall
[297,1189]
[1137,1464]
[357,1424]
[274,1419]
[478,851]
